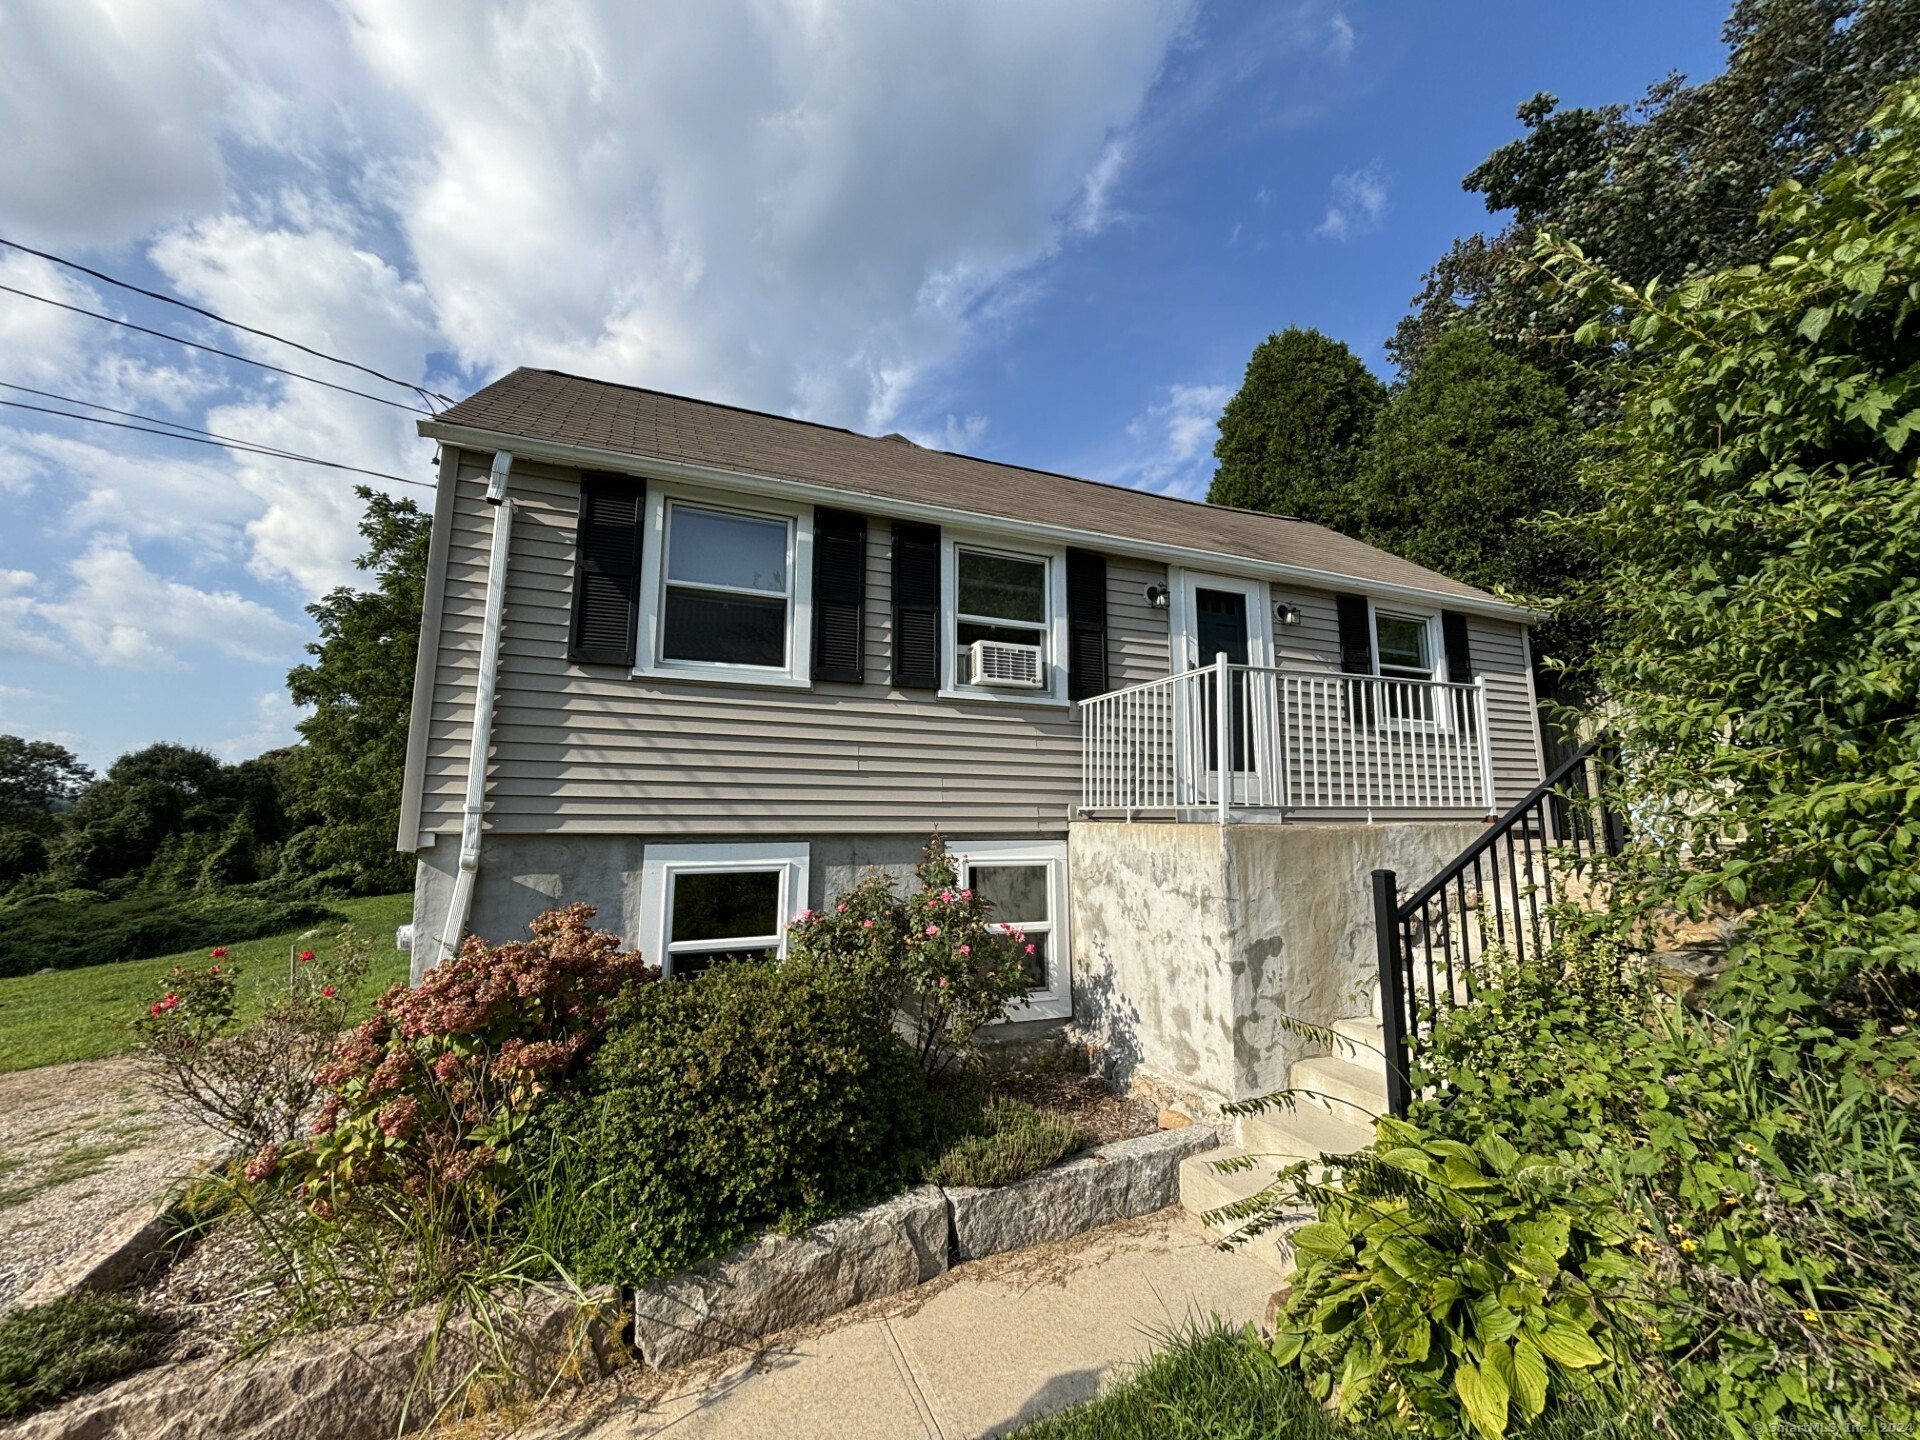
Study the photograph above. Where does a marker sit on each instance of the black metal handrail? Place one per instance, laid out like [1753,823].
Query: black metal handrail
[1466,907]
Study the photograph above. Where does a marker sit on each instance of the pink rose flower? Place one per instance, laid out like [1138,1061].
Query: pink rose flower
[933,929]
[1030,949]
[966,950]
[866,924]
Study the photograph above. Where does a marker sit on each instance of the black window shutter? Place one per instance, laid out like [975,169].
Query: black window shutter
[1356,634]
[916,606]
[606,570]
[1453,634]
[839,594]
[1086,624]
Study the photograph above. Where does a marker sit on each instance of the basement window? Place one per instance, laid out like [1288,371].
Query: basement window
[706,905]
[1025,881]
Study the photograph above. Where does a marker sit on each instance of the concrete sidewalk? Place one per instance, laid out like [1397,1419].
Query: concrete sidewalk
[979,1352]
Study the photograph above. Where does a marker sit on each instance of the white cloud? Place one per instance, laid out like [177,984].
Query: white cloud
[270,726]
[1340,36]
[1173,442]
[111,112]
[1092,215]
[1359,204]
[119,613]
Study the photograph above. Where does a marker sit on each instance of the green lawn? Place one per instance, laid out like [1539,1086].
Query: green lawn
[82,1014]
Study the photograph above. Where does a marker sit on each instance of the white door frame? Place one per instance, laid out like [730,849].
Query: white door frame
[1183,641]
[1183,646]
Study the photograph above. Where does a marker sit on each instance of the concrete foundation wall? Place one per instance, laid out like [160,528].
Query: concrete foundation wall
[522,875]
[1192,944]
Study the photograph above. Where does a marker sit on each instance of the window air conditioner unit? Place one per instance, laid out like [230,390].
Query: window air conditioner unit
[1003,666]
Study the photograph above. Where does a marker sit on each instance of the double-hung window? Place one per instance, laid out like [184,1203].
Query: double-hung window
[1025,883]
[728,592]
[704,905]
[1007,607]
[1403,649]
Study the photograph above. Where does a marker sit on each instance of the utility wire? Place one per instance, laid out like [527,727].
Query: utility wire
[224,354]
[239,446]
[424,394]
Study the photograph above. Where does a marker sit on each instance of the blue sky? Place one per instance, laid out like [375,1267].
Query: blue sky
[1041,232]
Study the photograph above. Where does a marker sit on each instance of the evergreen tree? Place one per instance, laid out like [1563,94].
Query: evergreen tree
[1289,440]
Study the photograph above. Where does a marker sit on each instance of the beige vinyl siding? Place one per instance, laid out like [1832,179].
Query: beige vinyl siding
[1498,651]
[594,749]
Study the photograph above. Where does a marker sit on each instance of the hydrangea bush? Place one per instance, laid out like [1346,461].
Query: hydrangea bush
[938,955]
[430,1092]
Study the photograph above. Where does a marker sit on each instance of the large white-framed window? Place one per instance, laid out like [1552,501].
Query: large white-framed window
[703,905]
[1407,646]
[1026,883]
[727,588]
[1005,595]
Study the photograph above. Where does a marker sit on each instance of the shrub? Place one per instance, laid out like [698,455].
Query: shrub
[257,1085]
[431,1093]
[48,1351]
[750,1094]
[938,955]
[1449,1289]
[1002,1141]
[70,929]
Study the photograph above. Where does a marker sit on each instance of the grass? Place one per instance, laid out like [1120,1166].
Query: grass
[49,1351]
[1002,1141]
[82,1014]
[1212,1383]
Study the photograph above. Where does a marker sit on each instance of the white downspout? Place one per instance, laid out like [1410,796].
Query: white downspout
[476,804]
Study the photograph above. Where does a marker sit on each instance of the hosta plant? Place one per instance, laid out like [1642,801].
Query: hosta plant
[1449,1289]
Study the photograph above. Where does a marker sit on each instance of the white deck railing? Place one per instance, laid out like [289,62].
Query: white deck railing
[1298,742]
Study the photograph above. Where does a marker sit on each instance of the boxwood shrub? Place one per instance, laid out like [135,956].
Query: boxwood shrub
[749,1095]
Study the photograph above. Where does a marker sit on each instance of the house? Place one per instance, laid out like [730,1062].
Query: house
[701,667]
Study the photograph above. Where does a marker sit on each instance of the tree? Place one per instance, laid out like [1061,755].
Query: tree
[37,778]
[1759,523]
[1465,461]
[1290,438]
[165,801]
[360,686]
[1672,186]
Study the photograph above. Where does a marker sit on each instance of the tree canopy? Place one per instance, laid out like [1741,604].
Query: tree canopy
[360,685]
[1290,439]
[1671,186]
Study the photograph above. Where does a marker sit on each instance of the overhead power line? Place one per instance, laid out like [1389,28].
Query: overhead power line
[206,437]
[101,275]
[211,350]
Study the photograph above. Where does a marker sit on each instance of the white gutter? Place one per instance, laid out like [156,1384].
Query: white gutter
[593,457]
[475,810]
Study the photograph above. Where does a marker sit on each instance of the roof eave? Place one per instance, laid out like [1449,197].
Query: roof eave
[598,458]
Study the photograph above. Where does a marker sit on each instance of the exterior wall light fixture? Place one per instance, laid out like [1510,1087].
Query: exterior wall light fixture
[1287,614]
[1157,596]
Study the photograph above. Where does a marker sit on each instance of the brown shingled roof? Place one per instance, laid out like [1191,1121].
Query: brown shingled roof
[571,410]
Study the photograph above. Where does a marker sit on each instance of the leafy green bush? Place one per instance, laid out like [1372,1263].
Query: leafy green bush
[937,955]
[1537,1055]
[1449,1289]
[48,1351]
[70,929]
[750,1094]
[1001,1141]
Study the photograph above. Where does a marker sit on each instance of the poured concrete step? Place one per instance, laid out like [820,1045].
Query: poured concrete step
[1348,1082]
[1203,1188]
[1368,1042]
[1305,1132]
